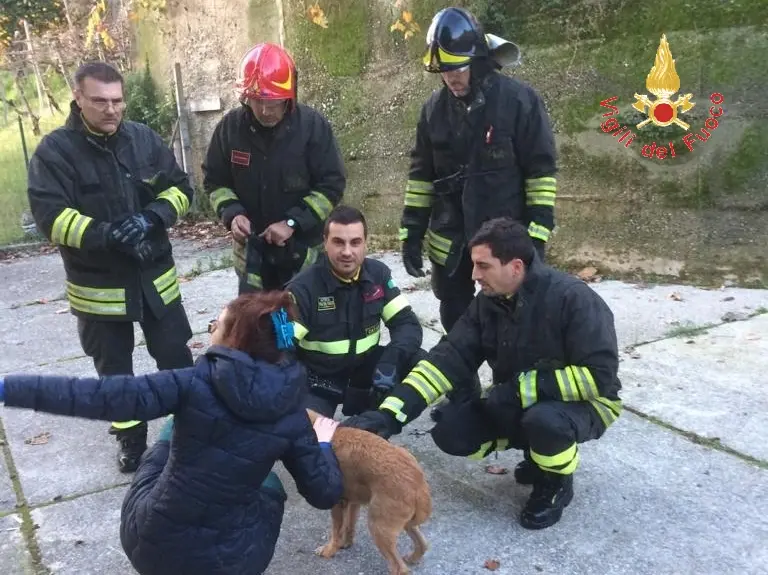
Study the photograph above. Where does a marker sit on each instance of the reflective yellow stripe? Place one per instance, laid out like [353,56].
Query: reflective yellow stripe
[434,376]
[238,252]
[310,258]
[540,198]
[97,301]
[438,247]
[607,409]
[402,234]
[95,308]
[395,406]
[363,345]
[500,444]
[394,306]
[445,57]
[528,390]
[321,205]
[564,462]
[299,331]
[341,346]
[418,382]
[584,381]
[68,228]
[221,195]
[167,285]
[254,280]
[541,191]
[418,194]
[124,424]
[568,389]
[177,199]
[538,232]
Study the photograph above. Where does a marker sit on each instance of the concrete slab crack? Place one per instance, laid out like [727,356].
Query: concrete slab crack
[28,526]
[712,443]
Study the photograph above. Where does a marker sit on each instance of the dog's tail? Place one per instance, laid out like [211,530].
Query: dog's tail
[423,507]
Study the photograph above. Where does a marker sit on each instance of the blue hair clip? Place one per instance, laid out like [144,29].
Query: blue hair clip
[283,329]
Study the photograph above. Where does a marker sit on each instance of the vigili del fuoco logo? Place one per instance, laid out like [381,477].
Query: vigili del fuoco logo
[663,82]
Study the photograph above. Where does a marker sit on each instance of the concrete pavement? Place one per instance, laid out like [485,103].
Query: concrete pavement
[676,486]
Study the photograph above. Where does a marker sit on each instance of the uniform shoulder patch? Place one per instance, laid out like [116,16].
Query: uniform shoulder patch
[326,303]
[391,284]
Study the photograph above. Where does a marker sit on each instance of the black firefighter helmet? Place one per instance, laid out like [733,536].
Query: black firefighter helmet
[455,38]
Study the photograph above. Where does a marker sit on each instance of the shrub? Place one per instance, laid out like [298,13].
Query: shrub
[146,104]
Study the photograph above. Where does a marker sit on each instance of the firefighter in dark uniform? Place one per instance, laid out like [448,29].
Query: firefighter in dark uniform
[343,299]
[105,190]
[484,148]
[273,172]
[551,343]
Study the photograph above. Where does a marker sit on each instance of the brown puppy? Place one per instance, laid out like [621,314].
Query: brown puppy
[391,482]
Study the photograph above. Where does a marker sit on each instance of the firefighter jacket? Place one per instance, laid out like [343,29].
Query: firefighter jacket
[79,182]
[340,320]
[495,157]
[293,170]
[554,340]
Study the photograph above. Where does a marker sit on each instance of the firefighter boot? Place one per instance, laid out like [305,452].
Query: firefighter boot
[551,494]
[132,445]
[527,472]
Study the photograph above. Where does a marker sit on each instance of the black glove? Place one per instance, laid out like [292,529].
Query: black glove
[540,248]
[412,257]
[134,229]
[384,377]
[375,421]
[504,408]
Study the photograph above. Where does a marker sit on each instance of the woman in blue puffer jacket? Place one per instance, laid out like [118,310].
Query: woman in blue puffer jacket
[204,500]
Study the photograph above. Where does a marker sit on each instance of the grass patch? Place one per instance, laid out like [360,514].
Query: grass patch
[748,158]
[342,48]
[13,171]
[688,330]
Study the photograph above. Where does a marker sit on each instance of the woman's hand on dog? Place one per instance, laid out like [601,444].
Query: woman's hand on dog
[324,429]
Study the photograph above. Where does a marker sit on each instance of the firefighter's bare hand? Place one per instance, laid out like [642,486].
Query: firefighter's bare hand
[241,228]
[277,233]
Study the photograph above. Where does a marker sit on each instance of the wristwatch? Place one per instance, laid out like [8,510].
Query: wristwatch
[291,223]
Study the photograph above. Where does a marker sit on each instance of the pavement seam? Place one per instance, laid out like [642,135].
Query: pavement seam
[695,330]
[28,526]
[63,499]
[698,439]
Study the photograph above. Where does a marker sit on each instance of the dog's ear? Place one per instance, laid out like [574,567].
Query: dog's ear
[312,415]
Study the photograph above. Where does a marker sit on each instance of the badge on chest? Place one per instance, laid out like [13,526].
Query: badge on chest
[377,292]
[326,303]
[241,158]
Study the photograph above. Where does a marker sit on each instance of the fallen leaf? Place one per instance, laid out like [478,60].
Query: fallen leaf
[407,16]
[183,279]
[397,26]
[587,274]
[196,344]
[317,16]
[491,564]
[42,301]
[496,470]
[39,439]
[675,296]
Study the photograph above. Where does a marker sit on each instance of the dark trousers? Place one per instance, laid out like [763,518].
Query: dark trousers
[358,394]
[454,290]
[272,278]
[548,431]
[110,344]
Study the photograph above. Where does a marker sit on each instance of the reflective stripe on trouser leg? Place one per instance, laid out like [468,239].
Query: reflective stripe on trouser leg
[489,447]
[564,462]
[125,424]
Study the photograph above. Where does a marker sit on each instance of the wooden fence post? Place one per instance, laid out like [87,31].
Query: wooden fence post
[181,107]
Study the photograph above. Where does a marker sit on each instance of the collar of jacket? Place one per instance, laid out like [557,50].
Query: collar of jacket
[277,132]
[332,283]
[76,122]
[479,91]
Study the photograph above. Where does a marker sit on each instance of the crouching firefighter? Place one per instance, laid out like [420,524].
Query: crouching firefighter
[104,191]
[273,171]
[342,300]
[551,344]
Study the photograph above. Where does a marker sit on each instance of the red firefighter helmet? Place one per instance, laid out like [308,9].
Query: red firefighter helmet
[267,72]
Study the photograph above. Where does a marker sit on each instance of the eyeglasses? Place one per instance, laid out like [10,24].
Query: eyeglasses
[213,325]
[102,104]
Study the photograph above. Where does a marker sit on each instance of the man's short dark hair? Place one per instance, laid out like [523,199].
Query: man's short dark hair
[100,71]
[345,215]
[506,238]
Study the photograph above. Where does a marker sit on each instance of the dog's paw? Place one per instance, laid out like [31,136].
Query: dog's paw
[412,559]
[346,543]
[326,550]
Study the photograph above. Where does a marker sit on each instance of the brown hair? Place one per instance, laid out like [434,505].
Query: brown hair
[248,326]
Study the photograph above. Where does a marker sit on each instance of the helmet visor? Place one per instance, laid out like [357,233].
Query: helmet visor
[451,42]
